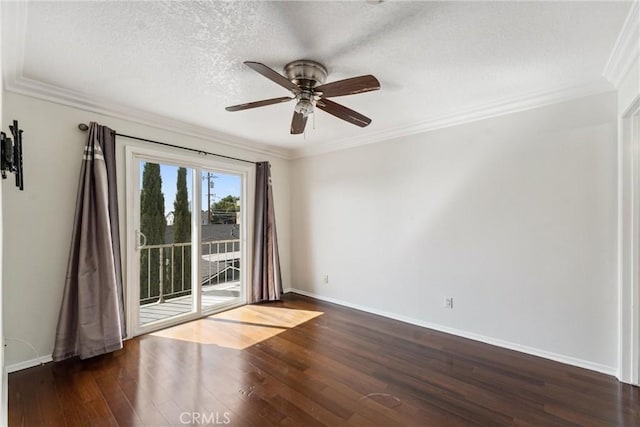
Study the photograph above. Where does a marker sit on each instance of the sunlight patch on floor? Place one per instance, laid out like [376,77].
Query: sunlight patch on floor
[268,316]
[241,327]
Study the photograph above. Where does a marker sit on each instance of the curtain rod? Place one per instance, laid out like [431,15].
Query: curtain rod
[83,127]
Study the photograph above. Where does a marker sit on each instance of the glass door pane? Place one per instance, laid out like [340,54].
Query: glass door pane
[165,242]
[220,239]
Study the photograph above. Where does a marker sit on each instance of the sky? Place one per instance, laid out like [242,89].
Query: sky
[223,185]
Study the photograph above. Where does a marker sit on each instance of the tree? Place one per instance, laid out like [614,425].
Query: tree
[182,233]
[224,210]
[153,225]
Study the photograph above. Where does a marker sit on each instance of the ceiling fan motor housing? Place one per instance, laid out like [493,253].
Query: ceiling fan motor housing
[306,73]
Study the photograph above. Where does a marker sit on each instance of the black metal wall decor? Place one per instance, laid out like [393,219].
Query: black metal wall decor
[11,154]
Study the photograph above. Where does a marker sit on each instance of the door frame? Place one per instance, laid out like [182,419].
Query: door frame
[629,244]
[133,154]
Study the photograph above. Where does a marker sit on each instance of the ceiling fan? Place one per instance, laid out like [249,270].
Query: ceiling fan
[305,79]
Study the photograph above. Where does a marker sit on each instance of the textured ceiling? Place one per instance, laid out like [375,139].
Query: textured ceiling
[183,60]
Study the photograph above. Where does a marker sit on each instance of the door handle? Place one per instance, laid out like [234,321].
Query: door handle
[141,240]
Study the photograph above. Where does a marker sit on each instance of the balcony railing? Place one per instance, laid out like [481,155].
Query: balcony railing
[165,270]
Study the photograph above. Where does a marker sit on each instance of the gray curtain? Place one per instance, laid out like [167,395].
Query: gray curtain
[267,280]
[91,320]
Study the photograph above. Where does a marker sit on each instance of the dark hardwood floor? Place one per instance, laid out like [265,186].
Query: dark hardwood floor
[343,367]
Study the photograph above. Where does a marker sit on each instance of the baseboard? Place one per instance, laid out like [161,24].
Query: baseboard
[26,364]
[581,363]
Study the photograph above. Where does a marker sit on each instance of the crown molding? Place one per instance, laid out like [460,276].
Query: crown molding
[626,50]
[481,112]
[51,93]
[55,94]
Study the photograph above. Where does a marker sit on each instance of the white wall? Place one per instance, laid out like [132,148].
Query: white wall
[515,217]
[38,221]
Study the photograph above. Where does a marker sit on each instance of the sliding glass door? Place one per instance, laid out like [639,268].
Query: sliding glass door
[221,221]
[186,247]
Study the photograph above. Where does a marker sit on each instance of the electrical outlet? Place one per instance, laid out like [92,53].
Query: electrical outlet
[325,278]
[448,302]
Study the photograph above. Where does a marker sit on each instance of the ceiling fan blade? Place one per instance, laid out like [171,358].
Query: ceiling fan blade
[350,86]
[298,123]
[273,76]
[256,104]
[342,112]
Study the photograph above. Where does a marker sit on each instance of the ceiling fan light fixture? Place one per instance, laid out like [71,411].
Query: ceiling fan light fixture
[304,107]
[305,104]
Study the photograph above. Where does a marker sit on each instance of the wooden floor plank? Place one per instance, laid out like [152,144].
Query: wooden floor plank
[303,362]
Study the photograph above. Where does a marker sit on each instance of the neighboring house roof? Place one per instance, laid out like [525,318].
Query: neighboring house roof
[214,233]
[210,232]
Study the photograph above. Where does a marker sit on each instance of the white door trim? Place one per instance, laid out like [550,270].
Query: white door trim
[629,244]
